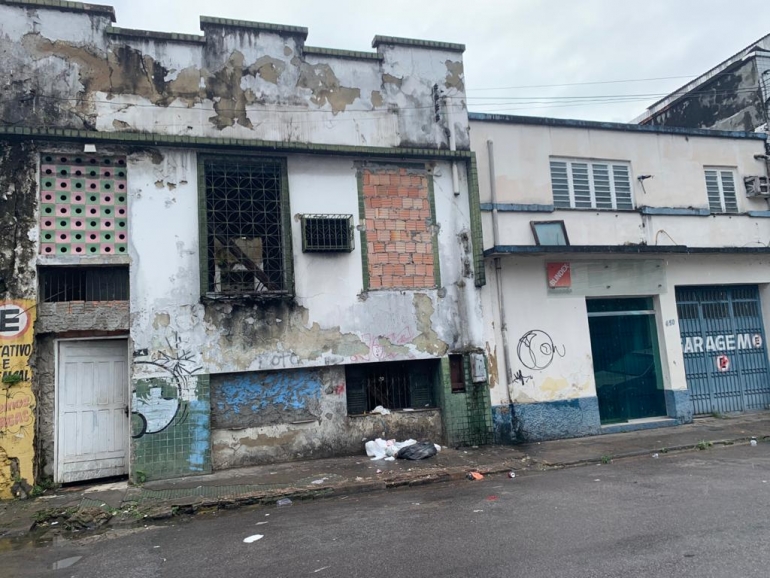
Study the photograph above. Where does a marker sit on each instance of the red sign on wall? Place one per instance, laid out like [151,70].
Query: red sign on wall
[559,275]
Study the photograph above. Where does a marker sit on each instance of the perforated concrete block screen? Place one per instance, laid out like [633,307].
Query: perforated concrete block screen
[83,205]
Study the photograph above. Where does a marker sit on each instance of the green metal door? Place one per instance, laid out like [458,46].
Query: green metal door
[624,344]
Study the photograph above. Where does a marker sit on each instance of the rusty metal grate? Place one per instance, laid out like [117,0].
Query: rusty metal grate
[246,234]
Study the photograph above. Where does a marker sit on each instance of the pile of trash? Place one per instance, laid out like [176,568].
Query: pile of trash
[389,450]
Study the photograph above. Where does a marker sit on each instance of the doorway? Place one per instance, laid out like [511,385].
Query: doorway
[92,431]
[627,370]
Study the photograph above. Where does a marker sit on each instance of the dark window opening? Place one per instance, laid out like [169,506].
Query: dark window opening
[327,233]
[393,385]
[457,373]
[248,249]
[83,284]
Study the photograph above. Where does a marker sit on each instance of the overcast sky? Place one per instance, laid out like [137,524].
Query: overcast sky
[516,43]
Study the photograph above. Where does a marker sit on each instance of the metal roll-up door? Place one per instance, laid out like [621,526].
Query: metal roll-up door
[723,340]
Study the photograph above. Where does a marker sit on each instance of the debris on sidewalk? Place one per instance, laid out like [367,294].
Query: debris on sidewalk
[656,456]
[385,449]
[511,474]
[284,502]
[381,410]
[417,451]
[474,476]
[753,442]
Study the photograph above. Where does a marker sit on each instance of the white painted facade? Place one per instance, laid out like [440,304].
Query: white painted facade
[675,165]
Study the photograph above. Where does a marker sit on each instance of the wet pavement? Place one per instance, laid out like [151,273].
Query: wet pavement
[120,504]
[690,514]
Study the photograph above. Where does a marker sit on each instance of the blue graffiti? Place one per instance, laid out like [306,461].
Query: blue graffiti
[292,390]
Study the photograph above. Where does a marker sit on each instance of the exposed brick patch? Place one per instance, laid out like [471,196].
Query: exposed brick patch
[399,239]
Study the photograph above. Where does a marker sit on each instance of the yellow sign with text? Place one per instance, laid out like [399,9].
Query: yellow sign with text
[17,402]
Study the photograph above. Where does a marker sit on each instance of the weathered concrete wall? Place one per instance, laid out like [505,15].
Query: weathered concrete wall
[331,319]
[731,101]
[67,317]
[70,69]
[268,417]
[17,315]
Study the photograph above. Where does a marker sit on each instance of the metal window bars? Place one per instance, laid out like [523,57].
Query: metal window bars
[59,284]
[245,226]
[327,233]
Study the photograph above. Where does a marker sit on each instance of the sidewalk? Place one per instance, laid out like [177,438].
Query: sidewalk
[80,507]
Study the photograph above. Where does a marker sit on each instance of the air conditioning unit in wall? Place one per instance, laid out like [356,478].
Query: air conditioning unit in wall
[757,187]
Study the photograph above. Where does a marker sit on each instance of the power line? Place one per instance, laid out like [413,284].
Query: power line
[580,83]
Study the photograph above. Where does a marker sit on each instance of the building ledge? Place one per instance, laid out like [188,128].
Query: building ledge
[153,35]
[616,126]
[502,250]
[337,53]
[66,6]
[209,21]
[415,42]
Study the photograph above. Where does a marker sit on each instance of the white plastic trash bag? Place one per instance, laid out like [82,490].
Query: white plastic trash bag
[381,410]
[382,449]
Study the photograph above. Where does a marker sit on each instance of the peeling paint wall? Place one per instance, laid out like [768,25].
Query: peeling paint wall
[298,344]
[268,417]
[71,70]
[17,316]
[733,100]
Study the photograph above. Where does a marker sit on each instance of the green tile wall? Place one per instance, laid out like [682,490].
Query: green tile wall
[183,446]
[467,416]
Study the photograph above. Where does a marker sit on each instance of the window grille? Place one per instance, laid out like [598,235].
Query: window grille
[327,233]
[393,385]
[247,231]
[720,187]
[591,184]
[83,284]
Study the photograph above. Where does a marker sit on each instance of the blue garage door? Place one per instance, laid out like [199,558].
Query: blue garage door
[723,340]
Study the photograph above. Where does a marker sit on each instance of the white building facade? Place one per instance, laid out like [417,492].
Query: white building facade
[628,274]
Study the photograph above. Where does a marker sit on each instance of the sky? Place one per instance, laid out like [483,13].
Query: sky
[531,57]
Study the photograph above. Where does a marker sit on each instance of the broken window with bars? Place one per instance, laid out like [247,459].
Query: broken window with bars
[247,231]
[393,385]
[327,233]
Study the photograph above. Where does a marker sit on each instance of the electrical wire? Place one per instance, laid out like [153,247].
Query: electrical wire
[580,83]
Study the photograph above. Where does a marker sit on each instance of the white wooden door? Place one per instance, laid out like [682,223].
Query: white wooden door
[92,421]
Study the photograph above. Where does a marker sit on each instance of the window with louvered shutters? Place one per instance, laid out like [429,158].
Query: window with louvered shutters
[579,184]
[720,187]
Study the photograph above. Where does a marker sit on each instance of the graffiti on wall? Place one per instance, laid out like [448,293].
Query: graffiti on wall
[170,415]
[536,350]
[255,399]
[17,402]
[156,402]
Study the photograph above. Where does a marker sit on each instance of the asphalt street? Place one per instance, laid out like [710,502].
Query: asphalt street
[703,514]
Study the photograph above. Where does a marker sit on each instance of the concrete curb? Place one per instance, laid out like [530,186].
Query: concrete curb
[133,512]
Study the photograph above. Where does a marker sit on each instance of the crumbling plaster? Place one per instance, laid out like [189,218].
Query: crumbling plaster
[330,321]
[66,69]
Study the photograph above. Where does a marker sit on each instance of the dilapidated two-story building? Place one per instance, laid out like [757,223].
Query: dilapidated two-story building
[229,248]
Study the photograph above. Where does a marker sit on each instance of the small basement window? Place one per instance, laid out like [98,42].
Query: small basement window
[83,284]
[327,233]
[393,385]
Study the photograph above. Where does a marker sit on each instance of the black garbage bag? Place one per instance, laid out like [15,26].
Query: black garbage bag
[418,451]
